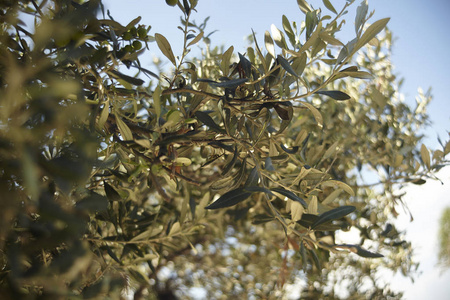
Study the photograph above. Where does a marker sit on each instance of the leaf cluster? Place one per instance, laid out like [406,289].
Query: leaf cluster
[110,170]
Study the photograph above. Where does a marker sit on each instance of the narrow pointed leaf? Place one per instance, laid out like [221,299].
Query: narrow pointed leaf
[261,219]
[103,115]
[164,46]
[111,193]
[124,130]
[253,178]
[230,198]
[269,44]
[316,113]
[257,189]
[245,64]
[232,162]
[157,101]
[208,121]
[234,83]
[360,251]
[286,65]
[316,260]
[299,63]
[328,5]
[308,219]
[288,29]
[365,253]
[333,214]
[268,164]
[290,195]
[336,95]
[361,13]
[290,151]
[129,79]
[371,32]
[278,37]
[196,39]
[425,154]
[304,6]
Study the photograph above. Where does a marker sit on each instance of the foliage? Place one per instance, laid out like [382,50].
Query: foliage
[444,239]
[112,174]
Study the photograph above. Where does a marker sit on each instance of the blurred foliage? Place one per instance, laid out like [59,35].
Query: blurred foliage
[444,239]
[232,172]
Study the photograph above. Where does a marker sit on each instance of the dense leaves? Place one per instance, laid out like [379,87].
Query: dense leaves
[225,161]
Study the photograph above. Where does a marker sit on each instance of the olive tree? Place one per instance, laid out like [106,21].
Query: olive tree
[233,171]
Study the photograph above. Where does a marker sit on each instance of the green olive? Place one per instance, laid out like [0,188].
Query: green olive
[137,45]
[172,2]
[128,48]
[142,32]
[127,36]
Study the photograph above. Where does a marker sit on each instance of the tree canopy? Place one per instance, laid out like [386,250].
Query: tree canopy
[232,170]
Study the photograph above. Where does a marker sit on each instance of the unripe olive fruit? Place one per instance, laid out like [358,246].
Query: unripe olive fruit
[128,48]
[142,32]
[172,2]
[127,36]
[137,45]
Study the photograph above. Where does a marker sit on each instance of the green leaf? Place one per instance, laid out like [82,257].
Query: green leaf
[312,39]
[329,39]
[278,37]
[328,5]
[290,151]
[196,39]
[304,6]
[357,74]
[124,130]
[333,214]
[129,79]
[164,46]
[285,113]
[371,32]
[290,195]
[157,102]
[316,113]
[316,260]
[365,253]
[111,193]
[253,178]
[268,164]
[360,251]
[230,198]
[288,29]
[308,219]
[132,23]
[225,63]
[310,23]
[361,13]
[299,63]
[286,65]
[257,189]
[208,121]
[234,83]
[269,44]
[336,95]
[261,219]
[304,257]
[103,115]
[232,162]
[425,154]
[245,64]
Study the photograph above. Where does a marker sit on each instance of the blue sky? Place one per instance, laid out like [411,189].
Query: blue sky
[420,55]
